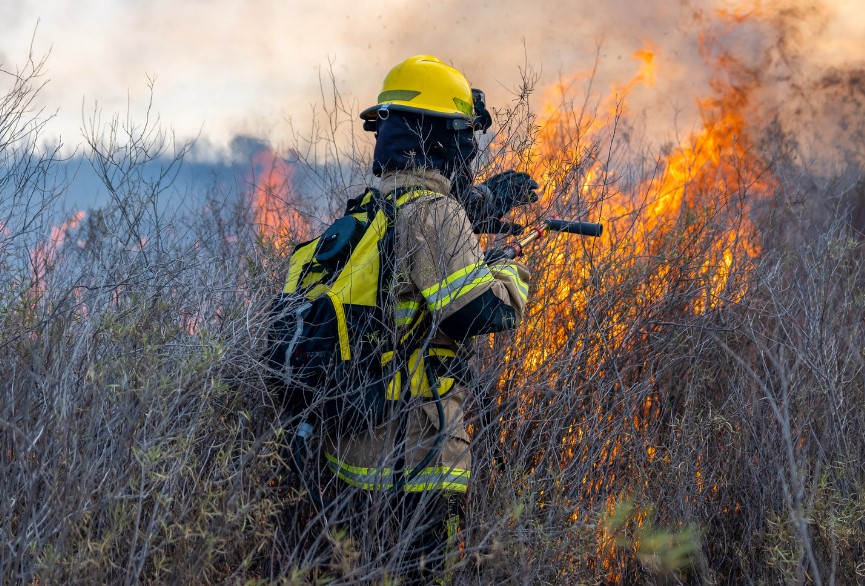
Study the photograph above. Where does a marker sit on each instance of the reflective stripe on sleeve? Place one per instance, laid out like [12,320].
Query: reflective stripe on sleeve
[432,478]
[405,312]
[514,273]
[457,284]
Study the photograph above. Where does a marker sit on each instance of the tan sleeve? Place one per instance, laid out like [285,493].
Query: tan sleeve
[515,277]
[446,260]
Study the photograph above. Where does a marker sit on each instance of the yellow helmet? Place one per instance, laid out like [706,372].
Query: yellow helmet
[427,85]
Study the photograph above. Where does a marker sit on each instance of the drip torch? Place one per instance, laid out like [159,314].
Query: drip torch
[515,249]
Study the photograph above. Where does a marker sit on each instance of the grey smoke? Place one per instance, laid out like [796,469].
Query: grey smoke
[249,67]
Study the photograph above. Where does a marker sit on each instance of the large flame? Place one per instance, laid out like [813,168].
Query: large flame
[678,230]
[692,200]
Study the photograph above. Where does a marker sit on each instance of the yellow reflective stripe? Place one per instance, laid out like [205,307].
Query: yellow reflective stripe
[360,477]
[514,273]
[341,326]
[432,478]
[406,311]
[411,331]
[412,195]
[457,284]
[458,486]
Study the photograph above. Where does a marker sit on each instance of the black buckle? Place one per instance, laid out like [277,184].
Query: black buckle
[460,124]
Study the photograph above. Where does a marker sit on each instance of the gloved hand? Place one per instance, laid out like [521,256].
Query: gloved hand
[508,252]
[511,189]
[488,202]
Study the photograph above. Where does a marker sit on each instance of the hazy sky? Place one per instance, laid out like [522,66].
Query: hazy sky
[233,67]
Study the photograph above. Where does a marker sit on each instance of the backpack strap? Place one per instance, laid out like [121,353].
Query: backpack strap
[389,203]
[364,203]
[372,200]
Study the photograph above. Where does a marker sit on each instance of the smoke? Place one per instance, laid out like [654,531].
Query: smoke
[231,67]
[798,63]
[799,70]
[810,79]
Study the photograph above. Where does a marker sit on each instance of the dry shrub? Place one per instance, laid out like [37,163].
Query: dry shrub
[679,405]
[134,441]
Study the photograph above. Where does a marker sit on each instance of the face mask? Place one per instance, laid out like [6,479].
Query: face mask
[407,140]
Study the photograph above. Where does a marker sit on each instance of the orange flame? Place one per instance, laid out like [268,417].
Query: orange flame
[699,185]
[274,200]
[683,224]
[647,71]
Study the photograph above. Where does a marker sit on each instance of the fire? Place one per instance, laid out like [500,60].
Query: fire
[647,70]
[645,75]
[274,200]
[681,231]
[694,198]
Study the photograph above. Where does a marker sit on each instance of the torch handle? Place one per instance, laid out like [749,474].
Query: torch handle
[515,249]
[571,227]
[534,234]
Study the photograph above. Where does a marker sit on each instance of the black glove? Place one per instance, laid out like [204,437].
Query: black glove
[509,251]
[511,189]
[495,197]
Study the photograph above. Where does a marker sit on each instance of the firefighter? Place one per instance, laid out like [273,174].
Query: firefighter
[425,122]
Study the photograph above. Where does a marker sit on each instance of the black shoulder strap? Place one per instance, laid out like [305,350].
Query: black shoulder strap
[356,204]
[387,204]
[371,201]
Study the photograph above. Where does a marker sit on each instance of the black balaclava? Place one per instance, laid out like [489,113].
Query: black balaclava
[406,140]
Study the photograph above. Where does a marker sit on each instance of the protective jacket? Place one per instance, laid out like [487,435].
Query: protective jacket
[440,270]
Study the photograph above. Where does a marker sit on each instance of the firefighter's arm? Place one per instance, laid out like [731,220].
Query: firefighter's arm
[468,296]
[492,311]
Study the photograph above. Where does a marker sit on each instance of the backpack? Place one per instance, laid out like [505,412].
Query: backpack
[333,335]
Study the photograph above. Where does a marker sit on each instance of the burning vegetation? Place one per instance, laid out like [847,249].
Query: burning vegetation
[274,200]
[591,381]
[641,374]
[683,402]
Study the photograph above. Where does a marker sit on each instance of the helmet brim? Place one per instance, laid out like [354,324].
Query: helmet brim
[371,113]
